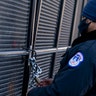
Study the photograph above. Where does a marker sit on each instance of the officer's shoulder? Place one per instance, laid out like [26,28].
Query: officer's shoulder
[86,46]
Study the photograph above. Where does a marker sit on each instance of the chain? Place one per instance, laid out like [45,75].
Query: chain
[34,72]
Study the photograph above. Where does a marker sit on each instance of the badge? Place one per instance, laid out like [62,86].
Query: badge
[76,59]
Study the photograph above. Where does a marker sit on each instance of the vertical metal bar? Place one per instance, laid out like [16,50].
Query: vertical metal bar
[25,77]
[33,21]
[77,19]
[61,20]
[38,11]
[59,32]
[72,24]
[32,25]
[59,23]
[29,41]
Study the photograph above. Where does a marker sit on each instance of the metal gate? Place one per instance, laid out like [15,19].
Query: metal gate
[46,34]
[14,23]
[48,26]
[53,31]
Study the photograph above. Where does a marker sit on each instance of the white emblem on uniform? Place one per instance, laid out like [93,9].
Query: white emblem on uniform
[76,59]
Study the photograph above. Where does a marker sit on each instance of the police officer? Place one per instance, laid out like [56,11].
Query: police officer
[77,74]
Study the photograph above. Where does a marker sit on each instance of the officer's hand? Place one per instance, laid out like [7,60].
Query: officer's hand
[45,82]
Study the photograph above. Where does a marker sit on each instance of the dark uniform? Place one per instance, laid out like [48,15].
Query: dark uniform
[77,74]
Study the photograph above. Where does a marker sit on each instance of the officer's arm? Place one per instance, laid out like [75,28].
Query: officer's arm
[75,79]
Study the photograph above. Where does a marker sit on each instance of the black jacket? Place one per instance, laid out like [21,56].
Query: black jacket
[77,74]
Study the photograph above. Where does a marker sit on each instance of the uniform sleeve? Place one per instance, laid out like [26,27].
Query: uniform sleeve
[75,79]
[43,91]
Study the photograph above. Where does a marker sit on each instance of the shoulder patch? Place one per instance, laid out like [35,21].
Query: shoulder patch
[76,59]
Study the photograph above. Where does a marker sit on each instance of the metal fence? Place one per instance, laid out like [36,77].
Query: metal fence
[49,26]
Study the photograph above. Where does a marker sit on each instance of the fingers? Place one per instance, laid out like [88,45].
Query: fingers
[44,82]
[41,84]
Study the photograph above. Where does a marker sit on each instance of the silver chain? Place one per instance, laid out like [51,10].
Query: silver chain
[34,72]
